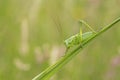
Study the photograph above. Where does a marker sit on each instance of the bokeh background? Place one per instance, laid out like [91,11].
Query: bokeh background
[32,34]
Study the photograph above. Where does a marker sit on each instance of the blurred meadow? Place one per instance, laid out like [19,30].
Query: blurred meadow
[32,34]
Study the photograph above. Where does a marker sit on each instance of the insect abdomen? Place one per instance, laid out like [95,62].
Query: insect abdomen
[86,35]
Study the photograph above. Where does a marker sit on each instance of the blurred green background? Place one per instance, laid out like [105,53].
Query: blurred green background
[32,34]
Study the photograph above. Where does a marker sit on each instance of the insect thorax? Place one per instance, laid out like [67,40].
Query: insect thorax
[73,40]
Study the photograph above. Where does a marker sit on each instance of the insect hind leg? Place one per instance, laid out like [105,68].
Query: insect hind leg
[87,25]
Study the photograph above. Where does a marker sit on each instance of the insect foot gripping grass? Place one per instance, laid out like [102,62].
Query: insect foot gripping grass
[47,73]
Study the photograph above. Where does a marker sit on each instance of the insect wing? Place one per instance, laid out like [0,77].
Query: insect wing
[86,35]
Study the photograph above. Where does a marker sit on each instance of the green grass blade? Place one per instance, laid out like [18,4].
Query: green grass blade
[46,74]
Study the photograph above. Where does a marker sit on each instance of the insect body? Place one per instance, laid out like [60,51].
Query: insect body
[76,39]
[79,38]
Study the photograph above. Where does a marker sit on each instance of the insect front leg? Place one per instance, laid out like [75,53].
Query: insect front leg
[66,50]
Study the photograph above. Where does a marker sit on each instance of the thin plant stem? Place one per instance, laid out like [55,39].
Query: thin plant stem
[47,73]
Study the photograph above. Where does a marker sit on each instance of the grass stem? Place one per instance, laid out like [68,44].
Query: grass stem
[47,73]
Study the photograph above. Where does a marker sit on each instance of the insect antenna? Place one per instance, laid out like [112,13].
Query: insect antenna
[58,25]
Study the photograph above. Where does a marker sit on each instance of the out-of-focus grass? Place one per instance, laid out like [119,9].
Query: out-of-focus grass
[29,35]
